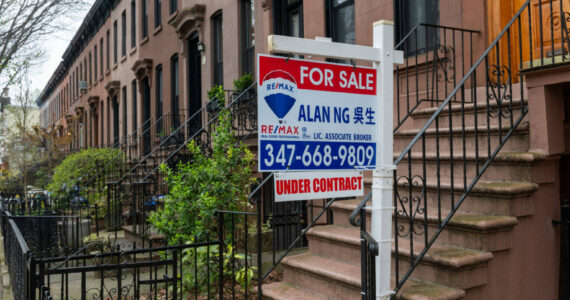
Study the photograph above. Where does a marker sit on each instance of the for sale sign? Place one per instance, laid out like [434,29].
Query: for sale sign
[315,115]
[291,186]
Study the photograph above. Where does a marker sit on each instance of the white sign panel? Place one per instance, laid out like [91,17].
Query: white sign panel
[292,186]
[316,115]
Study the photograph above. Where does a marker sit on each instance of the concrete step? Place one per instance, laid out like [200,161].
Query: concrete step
[486,198]
[451,266]
[472,231]
[474,139]
[465,114]
[326,276]
[286,291]
[507,166]
[412,290]
[508,198]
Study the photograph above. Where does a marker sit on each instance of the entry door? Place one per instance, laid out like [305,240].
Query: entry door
[501,12]
[194,83]
[146,116]
[115,122]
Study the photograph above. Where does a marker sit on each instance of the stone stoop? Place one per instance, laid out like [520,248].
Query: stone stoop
[477,240]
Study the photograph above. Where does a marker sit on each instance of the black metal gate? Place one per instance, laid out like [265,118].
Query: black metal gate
[287,219]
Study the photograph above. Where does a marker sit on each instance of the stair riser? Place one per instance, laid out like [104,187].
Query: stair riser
[500,171]
[464,238]
[341,218]
[518,142]
[478,203]
[457,118]
[325,286]
[460,278]
[348,253]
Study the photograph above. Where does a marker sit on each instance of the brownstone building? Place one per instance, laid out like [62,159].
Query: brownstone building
[480,118]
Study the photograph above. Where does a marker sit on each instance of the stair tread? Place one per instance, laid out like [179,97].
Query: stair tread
[446,256]
[420,290]
[332,269]
[286,291]
[519,157]
[336,233]
[412,290]
[523,127]
[505,188]
[456,107]
[474,221]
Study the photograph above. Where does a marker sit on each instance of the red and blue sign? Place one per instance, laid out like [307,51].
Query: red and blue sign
[315,115]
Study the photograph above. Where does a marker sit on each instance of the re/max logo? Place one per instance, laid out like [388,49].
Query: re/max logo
[279,129]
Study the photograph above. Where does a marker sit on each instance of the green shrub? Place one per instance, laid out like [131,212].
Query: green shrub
[217,92]
[243,82]
[199,188]
[85,169]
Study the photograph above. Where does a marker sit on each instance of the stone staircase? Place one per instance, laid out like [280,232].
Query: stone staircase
[471,257]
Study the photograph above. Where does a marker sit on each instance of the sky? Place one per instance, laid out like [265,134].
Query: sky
[54,47]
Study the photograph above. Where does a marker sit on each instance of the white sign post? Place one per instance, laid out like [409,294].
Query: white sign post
[383,55]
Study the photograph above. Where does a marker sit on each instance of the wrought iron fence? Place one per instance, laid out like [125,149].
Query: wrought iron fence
[223,264]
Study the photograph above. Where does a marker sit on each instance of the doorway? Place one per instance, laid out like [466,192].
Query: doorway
[146,116]
[194,83]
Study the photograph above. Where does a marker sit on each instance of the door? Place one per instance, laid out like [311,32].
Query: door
[115,122]
[146,116]
[544,17]
[194,84]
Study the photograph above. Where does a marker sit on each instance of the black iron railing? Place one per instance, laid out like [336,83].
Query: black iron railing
[436,57]
[448,156]
[368,251]
[17,257]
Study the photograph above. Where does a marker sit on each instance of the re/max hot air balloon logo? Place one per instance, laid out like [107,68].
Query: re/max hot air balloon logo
[281,90]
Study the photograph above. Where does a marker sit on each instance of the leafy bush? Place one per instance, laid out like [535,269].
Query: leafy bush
[85,169]
[217,92]
[243,82]
[199,188]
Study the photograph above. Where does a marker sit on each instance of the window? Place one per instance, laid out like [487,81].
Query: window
[144,12]
[340,21]
[248,36]
[158,97]
[288,17]
[173,6]
[80,71]
[101,49]
[217,48]
[124,95]
[124,33]
[108,50]
[133,24]
[134,99]
[95,62]
[85,68]
[174,90]
[411,13]
[115,39]
[90,68]
[157,13]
